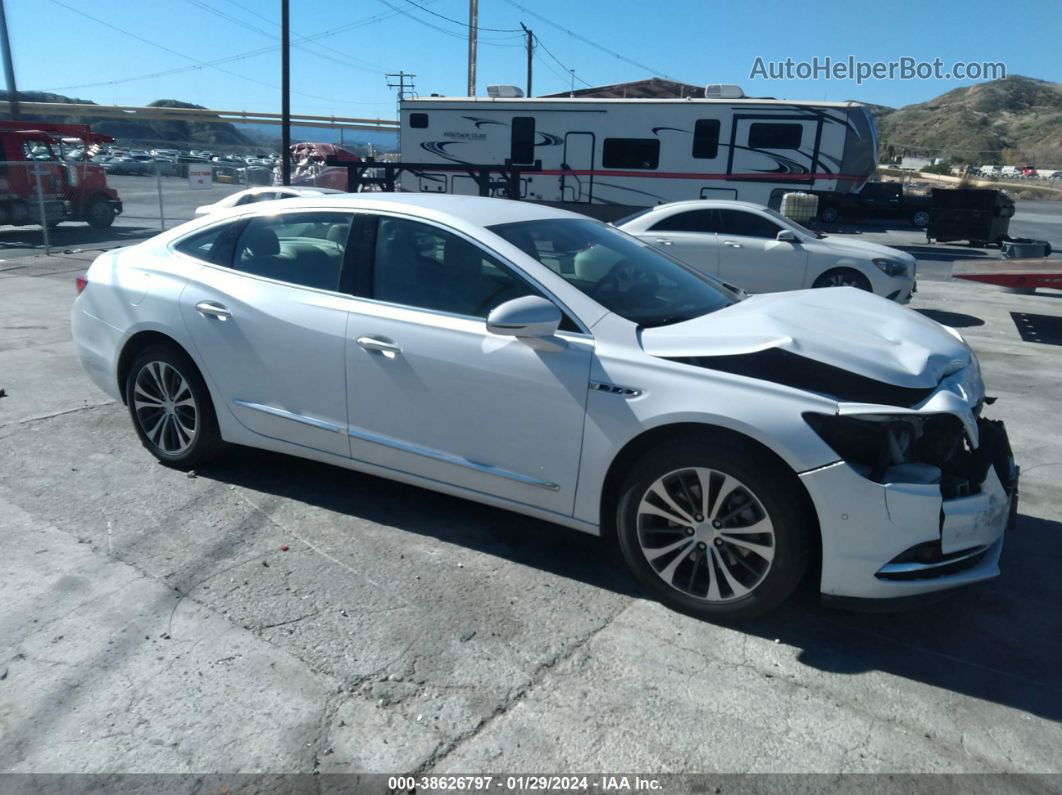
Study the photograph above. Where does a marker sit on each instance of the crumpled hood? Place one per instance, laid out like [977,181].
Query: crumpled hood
[842,327]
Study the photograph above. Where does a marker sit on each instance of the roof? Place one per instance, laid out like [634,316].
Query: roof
[649,88]
[516,102]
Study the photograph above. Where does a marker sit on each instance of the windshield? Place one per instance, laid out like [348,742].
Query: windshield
[618,271]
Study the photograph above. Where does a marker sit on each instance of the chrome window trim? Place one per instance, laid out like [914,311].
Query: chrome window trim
[288,415]
[450,458]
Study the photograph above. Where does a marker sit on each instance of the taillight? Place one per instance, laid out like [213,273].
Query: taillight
[81,282]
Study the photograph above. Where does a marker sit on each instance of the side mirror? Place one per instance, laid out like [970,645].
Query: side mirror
[529,316]
[787,236]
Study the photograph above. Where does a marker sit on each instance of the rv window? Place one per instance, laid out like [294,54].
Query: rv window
[523,140]
[775,136]
[631,153]
[706,138]
[418,120]
[692,221]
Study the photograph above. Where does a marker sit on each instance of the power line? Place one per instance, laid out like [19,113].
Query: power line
[450,33]
[571,72]
[463,24]
[591,42]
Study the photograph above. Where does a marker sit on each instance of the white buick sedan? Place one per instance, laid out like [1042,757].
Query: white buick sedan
[265,193]
[762,251]
[533,359]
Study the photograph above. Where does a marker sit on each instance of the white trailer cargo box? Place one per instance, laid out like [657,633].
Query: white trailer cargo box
[609,157]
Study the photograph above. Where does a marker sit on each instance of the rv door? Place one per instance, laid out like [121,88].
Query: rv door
[774,147]
[577,179]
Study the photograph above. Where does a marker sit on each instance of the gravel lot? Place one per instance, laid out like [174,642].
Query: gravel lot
[271,614]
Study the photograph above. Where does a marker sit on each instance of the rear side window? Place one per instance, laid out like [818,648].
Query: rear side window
[692,221]
[418,120]
[770,135]
[742,224]
[706,138]
[523,140]
[305,249]
[631,153]
[210,245]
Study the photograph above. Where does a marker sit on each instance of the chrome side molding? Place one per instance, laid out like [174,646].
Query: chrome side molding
[289,415]
[449,458]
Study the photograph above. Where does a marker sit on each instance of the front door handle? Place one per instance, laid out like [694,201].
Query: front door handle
[379,345]
[213,310]
[731,243]
[663,242]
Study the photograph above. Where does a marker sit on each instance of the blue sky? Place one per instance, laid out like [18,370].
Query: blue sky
[354,42]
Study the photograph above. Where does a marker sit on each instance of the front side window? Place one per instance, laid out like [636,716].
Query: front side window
[299,248]
[690,221]
[523,140]
[743,224]
[425,267]
[771,135]
[706,138]
[643,153]
[620,272]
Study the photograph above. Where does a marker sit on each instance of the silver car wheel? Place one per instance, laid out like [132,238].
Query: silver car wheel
[165,407]
[706,534]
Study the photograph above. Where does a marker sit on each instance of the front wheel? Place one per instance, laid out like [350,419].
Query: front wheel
[99,213]
[171,408]
[713,529]
[844,277]
[829,215]
[921,219]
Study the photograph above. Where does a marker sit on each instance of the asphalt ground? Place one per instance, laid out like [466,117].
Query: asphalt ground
[275,615]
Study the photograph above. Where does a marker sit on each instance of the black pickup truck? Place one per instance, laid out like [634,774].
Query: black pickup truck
[875,200]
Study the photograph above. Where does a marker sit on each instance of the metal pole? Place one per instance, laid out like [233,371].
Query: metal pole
[285,96]
[473,28]
[530,52]
[9,66]
[158,184]
[40,207]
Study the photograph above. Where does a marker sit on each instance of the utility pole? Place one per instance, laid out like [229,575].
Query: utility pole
[401,84]
[285,95]
[473,30]
[9,66]
[530,53]
[571,93]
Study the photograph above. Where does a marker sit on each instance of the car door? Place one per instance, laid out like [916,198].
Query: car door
[433,393]
[689,235]
[269,325]
[752,257]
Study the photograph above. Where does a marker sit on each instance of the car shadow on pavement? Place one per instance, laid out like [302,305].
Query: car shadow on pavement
[953,319]
[1000,641]
[945,253]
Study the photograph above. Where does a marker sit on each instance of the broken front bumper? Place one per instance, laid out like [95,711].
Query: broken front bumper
[891,540]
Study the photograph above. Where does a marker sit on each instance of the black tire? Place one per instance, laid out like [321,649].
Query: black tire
[844,277]
[765,490]
[920,218]
[161,413]
[829,215]
[99,213]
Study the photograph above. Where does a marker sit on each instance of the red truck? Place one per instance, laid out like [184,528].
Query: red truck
[71,190]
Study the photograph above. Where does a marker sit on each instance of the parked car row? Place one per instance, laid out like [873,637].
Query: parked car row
[536,360]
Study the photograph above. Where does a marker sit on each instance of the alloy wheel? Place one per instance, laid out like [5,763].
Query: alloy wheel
[165,407]
[706,534]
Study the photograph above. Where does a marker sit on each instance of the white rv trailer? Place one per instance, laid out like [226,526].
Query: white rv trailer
[609,157]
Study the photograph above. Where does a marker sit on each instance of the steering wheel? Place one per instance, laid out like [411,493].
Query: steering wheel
[626,276]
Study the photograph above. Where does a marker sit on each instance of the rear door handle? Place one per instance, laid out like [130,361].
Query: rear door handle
[378,345]
[663,242]
[731,243]
[213,310]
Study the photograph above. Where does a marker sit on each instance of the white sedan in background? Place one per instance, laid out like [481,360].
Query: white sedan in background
[265,193]
[536,360]
[762,251]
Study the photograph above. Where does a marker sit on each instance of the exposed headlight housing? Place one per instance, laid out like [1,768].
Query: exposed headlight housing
[890,267]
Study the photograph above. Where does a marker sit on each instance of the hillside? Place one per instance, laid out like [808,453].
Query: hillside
[1004,122]
[155,133]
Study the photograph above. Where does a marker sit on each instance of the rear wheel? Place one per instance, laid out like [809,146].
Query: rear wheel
[713,529]
[921,219]
[829,215]
[843,277]
[171,408]
[99,213]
